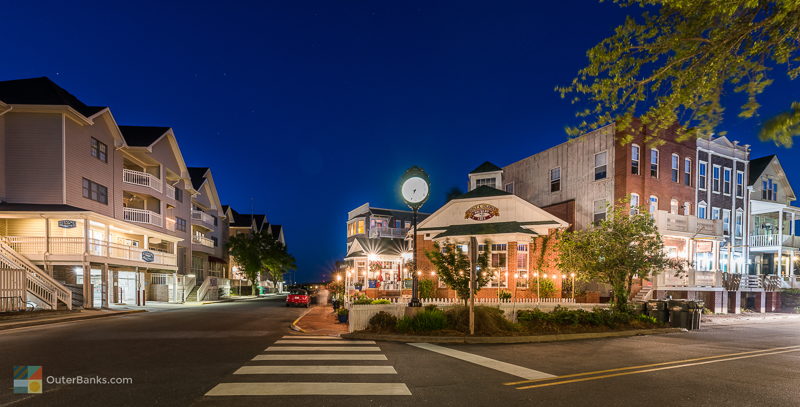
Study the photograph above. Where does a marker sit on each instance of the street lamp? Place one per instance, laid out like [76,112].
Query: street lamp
[538,283]
[573,285]
[415,189]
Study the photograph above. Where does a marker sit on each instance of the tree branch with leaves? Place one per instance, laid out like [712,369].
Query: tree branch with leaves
[453,268]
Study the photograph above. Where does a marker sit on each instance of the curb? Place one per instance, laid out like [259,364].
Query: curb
[509,339]
[76,318]
[294,326]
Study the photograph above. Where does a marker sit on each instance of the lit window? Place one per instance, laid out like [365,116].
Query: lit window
[522,257]
[702,175]
[555,179]
[653,204]
[701,210]
[675,168]
[600,165]
[673,206]
[635,159]
[634,204]
[654,163]
[687,172]
[687,208]
[599,211]
[489,182]
[715,213]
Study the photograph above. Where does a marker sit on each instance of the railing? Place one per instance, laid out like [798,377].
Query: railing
[767,282]
[125,252]
[202,240]
[691,278]
[395,233]
[141,178]
[142,216]
[673,222]
[186,284]
[38,283]
[169,190]
[12,304]
[203,217]
[774,240]
[36,246]
[203,290]
[12,285]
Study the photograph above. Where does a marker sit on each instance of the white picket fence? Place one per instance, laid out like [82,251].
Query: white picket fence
[360,315]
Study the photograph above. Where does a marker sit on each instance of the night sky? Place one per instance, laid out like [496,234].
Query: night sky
[306,110]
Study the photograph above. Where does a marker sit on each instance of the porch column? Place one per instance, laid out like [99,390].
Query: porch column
[175,287]
[737,302]
[138,288]
[105,286]
[87,286]
[779,258]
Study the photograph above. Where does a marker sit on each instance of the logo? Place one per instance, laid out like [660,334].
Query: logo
[481,212]
[67,224]
[27,380]
[148,256]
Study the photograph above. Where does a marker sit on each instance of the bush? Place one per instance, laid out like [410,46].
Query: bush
[427,320]
[504,295]
[546,289]
[362,300]
[488,320]
[342,311]
[382,321]
[426,289]
[562,317]
[381,301]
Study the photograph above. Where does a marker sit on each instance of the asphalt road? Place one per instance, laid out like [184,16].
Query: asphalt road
[178,357]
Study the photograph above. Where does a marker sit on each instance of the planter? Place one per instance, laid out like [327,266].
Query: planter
[342,317]
[336,304]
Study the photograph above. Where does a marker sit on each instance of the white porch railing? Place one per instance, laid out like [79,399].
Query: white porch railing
[395,233]
[37,246]
[203,290]
[185,285]
[141,178]
[203,217]
[143,216]
[691,278]
[202,240]
[169,190]
[673,222]
[37,282]
[774,240]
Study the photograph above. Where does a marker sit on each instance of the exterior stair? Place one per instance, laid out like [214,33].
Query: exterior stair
[21,278]
[645,294]
[192,297]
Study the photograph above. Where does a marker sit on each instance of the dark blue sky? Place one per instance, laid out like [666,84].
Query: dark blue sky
[311,108]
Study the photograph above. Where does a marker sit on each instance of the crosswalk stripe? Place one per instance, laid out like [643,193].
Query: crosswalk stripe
[316,370]
[325,348]
[310,337]
[309,389]
[322,342]
[504,367]
[311,356]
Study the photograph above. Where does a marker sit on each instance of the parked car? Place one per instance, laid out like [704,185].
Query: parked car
[298,297]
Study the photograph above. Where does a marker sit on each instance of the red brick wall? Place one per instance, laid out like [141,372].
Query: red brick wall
[564,211]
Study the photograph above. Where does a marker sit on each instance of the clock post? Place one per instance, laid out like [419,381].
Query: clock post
[415,188]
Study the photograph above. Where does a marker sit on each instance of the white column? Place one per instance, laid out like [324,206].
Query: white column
[105,287]
[87,286]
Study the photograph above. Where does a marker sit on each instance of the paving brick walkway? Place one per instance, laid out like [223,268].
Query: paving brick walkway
[321,320]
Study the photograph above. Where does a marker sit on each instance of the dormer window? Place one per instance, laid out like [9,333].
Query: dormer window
[489,182]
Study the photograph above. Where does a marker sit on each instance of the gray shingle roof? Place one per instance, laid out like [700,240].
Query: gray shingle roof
[142,136]
[757,167]
[486,167]
[42,91]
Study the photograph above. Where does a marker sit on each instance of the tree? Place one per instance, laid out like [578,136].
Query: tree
[260,251]
[674,63]
[275,258]
[246,252]
[614,251]
[453,268]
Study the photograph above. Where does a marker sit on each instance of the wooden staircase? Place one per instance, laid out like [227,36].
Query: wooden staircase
[645,294]
[20,278]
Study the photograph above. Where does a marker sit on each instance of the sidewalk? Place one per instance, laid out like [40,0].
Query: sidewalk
[747,318]
[320,320]
[45,319]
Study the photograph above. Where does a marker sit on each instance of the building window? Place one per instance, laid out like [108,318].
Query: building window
[634,204]
[215,220]
[739,184]
[360,227]
[489,182]
[599,211]
[510,187]
[676,168]
[726,181]
[600,165]
[687,208]
[726,221]
[715,213]
[673,206]
[687,171]
[635,159]
[702,175]
[701,210]
[769,190]
[555,179]
[178,194]
[522,257]
[99,150]
[715,181]
[215,240]
[653,162]
[95,191]
[180,224]
[398,224]
[653,204]
[739,220]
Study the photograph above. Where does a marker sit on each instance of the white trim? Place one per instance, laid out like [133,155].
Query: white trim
[704,185]
[64,159]
[638,160]
[658,163]
[713,167]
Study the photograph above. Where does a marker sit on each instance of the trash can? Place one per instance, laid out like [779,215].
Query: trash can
[679,313]
[658,310]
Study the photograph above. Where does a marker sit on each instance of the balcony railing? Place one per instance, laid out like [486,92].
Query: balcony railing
[396,233]
[690,278]
[142,216]
[37,246]
[204,218]
[141,178]
[202,240]
[774,240]
[169,190]
[673,222]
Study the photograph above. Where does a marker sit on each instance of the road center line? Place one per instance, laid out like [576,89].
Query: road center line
[504,367]
[583,379]
[655,364]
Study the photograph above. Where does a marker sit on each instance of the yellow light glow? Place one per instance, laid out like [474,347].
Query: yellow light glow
[572,274]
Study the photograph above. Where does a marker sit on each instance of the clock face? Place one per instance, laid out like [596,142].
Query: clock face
[415,190]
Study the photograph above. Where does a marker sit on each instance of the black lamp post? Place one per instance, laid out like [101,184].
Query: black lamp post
[415,189]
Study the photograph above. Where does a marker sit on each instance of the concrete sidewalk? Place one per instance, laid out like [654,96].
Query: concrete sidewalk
[320,320]
[746,318]
[36,320]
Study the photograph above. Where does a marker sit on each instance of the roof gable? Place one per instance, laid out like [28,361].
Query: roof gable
[43,91]
[486,167]
[482,191]
[142,136]
[757,167]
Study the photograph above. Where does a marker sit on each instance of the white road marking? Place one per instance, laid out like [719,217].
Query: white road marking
[310,337]
[324,342]
[316,370]
[312,356]
[504,367]
[325,348]
[309,389]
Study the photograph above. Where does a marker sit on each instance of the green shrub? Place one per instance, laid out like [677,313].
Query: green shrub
[381,301]
[426,289]
[362,300]
[504,295]
[546,287]
[382,321]
[563,317]
[342,311]
[426,320]
[488,320]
